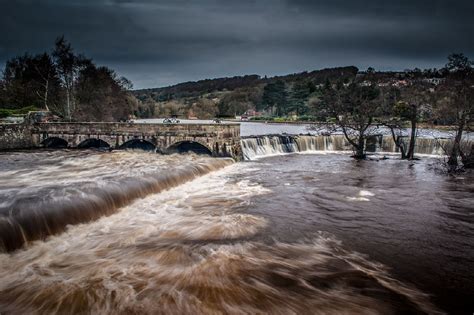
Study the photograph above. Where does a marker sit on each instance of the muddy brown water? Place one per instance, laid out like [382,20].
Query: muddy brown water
[288,234]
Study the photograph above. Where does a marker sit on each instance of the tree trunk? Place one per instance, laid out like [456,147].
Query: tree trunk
[46,95]
[359,146]
[68,105]
[411,149]
[72,96]
[360,152]
[456,150]
[398,143]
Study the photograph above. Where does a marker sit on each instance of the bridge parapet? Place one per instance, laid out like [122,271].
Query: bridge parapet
[219,139]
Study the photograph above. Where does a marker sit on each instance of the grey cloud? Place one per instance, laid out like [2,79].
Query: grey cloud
[165,42]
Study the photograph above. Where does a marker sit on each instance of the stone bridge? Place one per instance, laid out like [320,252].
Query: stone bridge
[212,138]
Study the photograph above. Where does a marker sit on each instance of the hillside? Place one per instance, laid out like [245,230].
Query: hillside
[201,87]
[229,96]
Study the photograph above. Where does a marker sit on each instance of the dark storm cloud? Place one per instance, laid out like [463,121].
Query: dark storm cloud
[157,43]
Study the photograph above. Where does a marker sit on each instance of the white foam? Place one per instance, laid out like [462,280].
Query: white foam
[364,193]
[358,198]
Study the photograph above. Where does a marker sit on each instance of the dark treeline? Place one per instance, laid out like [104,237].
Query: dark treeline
[68,84]
[194,89]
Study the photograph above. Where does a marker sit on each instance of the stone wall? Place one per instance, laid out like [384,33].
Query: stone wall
[15,136]
[220,139]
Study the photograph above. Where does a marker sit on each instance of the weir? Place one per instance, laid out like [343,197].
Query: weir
[254,147]
[219,140]
[31,217]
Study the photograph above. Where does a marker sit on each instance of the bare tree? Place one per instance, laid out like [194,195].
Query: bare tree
[68,66]
[456,106]
[47,73]
[204,108]
[354,107]
[407,104]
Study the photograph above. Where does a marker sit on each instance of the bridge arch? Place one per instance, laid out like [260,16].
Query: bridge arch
[93,143]
[54,142]
[138,144]
[189,146]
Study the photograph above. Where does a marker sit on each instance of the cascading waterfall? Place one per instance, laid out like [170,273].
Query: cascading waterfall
[255,147]
[34,216]
[430,146]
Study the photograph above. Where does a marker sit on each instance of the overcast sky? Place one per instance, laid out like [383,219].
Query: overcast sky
[158,43]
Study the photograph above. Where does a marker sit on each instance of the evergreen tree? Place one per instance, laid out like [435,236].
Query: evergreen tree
[68,84]
[30,81]
[298,98]
[275,97]
[101,96]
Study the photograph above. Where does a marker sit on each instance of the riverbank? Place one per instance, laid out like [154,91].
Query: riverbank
[319,123]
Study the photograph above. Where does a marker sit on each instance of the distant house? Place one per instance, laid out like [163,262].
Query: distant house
[252,113]
[400,83]
[434,81]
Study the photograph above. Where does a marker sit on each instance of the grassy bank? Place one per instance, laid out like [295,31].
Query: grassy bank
[6,112]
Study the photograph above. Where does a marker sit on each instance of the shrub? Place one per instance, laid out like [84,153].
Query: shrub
[260,118]
[279,119]
[307,118]
[4,112]
[25,110]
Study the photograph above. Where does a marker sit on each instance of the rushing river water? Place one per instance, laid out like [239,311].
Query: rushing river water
[135,232]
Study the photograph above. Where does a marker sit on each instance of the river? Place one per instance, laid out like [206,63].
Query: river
[253,128]
[316,233]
